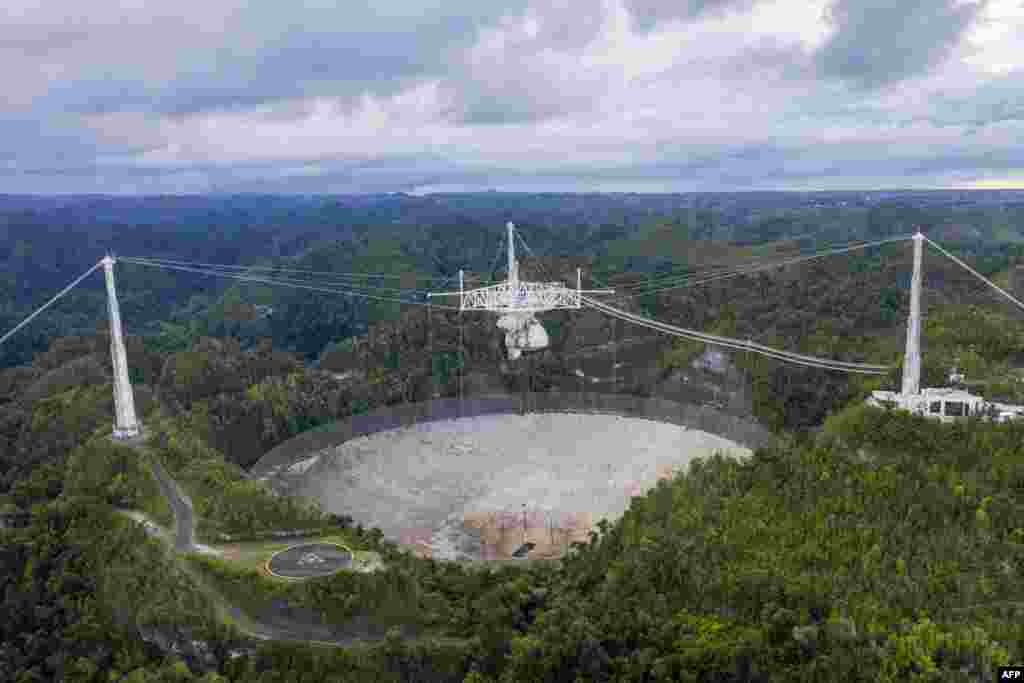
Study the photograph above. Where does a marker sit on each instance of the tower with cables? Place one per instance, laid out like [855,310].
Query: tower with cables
[944,403]
[126,425]
[518,302]
[912,359]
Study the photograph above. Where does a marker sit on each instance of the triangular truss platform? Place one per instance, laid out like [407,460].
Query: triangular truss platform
[518,302]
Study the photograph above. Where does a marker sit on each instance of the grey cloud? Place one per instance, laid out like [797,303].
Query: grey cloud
[829,163]
[513,97]
[877,42]
[764,165]
[270,52]
[338,175]
[757,65]
[647,14]
[1007,160]
[999,100]
[746,167]
[394,175]
[484,108]
[770,59]
[272,56]
[564,26]
[58,139]
[519,84]
[42,44]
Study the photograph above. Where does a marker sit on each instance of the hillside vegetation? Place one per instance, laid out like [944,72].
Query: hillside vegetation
[885,546]
[867,546]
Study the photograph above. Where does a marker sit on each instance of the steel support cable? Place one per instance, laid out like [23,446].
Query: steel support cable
[323,282]
[497,256]
[750,347]
[702,271]
[738,343]
[352,290]
[288,284]
[754,348]
[745,344]
[352,286]
[281,268]
[663,280]
[694,335]
[42,308]
[676,279]
[641,288]
[729,273]
[657,325]
[540,265]
[779,264]
[710,272]
[776,264]
[296,271]
[977,274]
[717,269]
[753,266]
[320,280]
[789,356]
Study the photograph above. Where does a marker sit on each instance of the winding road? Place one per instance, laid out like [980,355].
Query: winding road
[181,508]
[275,623]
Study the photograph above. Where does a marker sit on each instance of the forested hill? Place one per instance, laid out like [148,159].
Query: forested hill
[881,548]
[885,548]
[45,242]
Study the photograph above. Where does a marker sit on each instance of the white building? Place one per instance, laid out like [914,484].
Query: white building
[945,403]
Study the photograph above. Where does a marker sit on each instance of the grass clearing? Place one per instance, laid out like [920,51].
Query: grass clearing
[250,589]
[253,555]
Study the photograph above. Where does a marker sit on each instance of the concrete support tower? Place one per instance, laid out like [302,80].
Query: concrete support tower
[912,359]
[513,266]
[126,425]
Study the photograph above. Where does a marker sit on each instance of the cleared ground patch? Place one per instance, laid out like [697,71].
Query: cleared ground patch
[255,554]
[479,487]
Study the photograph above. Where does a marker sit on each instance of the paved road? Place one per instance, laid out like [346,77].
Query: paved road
[181,507]
[277,623]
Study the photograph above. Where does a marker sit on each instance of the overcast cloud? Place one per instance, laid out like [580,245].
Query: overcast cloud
[573,95]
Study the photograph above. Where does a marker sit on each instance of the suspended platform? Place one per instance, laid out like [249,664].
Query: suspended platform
[518,303]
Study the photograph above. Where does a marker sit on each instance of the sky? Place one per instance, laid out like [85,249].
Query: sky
[420,96]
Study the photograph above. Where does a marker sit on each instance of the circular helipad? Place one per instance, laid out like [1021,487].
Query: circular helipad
[307,560]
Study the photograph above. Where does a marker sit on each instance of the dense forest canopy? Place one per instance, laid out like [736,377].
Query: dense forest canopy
[865,545]
[47,242]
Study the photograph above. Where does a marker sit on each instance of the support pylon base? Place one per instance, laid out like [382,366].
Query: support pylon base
[136,434]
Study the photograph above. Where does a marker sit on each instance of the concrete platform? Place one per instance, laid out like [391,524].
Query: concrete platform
[308,560]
